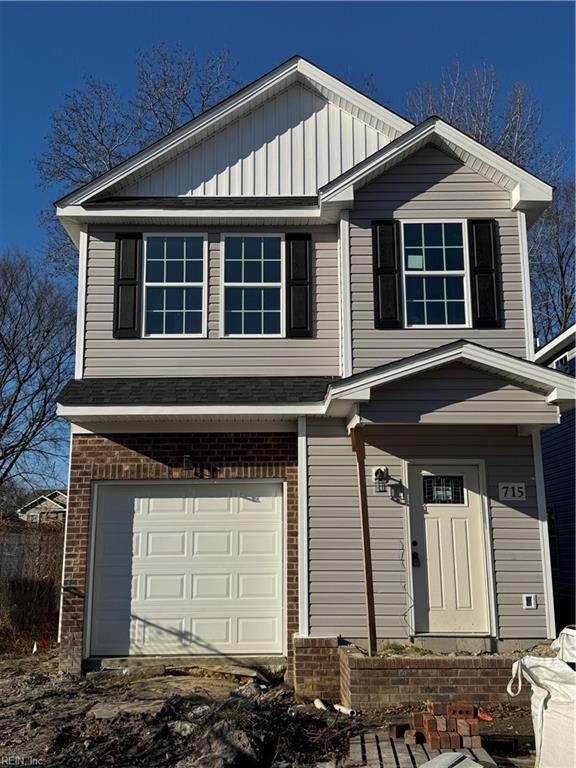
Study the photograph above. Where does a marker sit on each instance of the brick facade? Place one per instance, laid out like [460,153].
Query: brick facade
[316,671]
[345,674]
[148,457]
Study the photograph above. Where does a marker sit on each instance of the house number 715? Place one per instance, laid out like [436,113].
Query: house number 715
[511,492]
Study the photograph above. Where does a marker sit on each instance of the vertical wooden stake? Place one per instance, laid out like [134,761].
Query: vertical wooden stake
[359,450]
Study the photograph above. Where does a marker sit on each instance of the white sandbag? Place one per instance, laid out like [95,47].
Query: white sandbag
[553,704]
[565,645]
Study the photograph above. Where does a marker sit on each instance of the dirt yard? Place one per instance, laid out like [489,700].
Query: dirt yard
[202,720]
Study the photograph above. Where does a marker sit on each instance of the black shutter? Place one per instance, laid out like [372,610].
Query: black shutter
[484,272]
[127,288]
[386,252]
[298,286]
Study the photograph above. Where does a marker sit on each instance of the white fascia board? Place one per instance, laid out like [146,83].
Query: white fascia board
[360,101]
[81,303]
[79,214]
[560,385]
[549,348]
[179,136]
[86,412]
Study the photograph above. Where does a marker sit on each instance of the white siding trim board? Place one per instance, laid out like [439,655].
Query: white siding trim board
[303,551]
[81,302]
[344,294]
[526,292]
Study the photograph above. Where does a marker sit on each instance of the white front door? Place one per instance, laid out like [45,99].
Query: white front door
[183,568]
[448,550]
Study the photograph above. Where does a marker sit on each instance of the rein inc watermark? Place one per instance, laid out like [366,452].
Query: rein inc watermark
[20,760]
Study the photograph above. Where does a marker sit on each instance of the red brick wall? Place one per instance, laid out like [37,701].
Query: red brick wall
[146,457]
[316,668]
[370,683]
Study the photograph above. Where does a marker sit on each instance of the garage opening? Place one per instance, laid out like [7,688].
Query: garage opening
[187,568]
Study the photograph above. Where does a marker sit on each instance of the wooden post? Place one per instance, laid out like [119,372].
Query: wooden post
[358,448]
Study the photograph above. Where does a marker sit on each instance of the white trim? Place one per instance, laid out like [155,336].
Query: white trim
[549,348]
[81,303]
[528,189]
[480,465]
[289,71]
[188,215]
[256,409]
[345,305]
[463,273]
[303,562]
[543,531]
[204,285]
[526,292]
[559,385]
[410,613]
[87,635]
[67,516]
[223,285]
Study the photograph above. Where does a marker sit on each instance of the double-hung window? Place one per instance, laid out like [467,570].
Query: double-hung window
[434,268]
[175,285]
[253,285]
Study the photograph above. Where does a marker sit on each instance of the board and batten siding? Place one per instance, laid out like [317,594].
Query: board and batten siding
[431,185]
[336,582]
[212,356]
[292,144]
[458,392]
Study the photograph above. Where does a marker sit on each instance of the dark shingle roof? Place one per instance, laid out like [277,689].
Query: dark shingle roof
[210,390]
[189,201]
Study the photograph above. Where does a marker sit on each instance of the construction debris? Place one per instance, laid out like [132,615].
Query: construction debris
[442,726]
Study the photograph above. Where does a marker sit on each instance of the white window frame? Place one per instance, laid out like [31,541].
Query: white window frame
[281,285]
[204,285]
[465,274]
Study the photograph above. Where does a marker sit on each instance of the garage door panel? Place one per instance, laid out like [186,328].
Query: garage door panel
[205,574]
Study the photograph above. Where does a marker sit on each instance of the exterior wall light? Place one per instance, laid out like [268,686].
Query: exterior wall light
[381,479]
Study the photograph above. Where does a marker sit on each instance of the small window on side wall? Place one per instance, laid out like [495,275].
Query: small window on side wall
[175,285]
[434,267]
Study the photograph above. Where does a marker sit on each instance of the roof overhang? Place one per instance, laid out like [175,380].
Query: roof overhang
[562,344]
[558,388]
[344,395]
[527,192]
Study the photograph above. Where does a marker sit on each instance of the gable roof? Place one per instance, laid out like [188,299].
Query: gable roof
[296,69]
[561,344]
[558,387]
[527,192]
[50,496]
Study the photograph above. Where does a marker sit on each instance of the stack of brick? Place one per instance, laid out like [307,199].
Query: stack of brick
[442,726]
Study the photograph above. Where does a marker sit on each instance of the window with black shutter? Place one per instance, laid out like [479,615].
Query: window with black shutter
[127,286]
[298,286]
[482,239]
[386,257]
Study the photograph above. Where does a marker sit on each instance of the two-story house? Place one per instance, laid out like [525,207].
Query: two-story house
[305,402]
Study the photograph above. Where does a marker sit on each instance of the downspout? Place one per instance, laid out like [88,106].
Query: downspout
[359,449]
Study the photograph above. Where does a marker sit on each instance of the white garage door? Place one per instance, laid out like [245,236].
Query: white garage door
[187,568]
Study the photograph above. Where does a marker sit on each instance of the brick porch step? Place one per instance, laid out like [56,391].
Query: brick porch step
[374,749]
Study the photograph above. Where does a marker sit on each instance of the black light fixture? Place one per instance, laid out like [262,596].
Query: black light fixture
[381,479]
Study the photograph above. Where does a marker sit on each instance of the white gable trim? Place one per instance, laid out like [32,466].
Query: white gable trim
[558,386]
[295,69]
[525,189]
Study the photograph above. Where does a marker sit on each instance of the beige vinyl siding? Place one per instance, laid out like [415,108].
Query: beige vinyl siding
[459,393]
[292,144]
[335,565]
[106,356]
[431,185]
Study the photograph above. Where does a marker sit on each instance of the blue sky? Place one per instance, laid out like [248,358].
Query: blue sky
[46,47]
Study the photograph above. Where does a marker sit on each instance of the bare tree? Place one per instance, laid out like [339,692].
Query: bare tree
[97,127]
[12,497]
[470,100]
[552,266]
[174,87]
[511,125]
[36,354]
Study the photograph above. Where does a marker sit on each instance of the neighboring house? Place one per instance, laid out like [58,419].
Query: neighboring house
[305,374]
[559,461]
[47,506]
